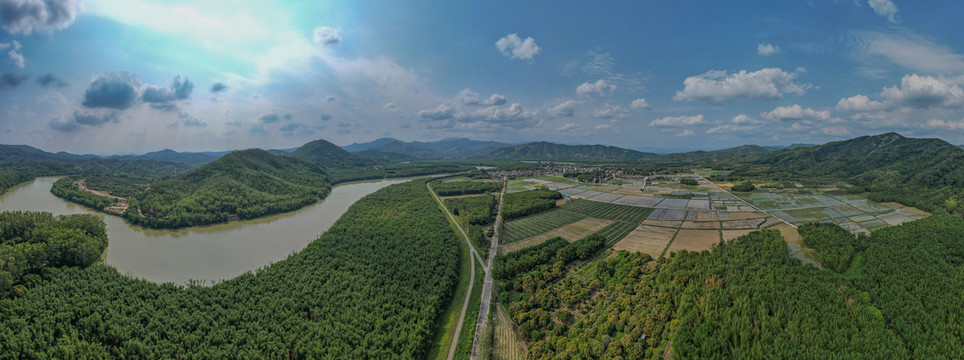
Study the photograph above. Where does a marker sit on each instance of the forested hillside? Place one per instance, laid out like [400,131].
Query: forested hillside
[556,152]
[328,155]
[247,183]
[371,287]
[924,173]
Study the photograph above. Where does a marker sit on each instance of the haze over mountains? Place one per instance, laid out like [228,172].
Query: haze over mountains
[389,150]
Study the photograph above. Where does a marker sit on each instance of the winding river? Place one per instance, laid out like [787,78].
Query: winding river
[206,254]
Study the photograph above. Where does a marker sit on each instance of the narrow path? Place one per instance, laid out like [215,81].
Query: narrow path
[487,283]
[468,293]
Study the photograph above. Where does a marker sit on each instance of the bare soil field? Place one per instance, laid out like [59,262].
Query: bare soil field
[694,240]
[733,234]
[647,239]
[700,225]
[668,223]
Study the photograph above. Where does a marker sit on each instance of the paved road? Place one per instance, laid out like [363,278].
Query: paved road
[487,284]
[468,293]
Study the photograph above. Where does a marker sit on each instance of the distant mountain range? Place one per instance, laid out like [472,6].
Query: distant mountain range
[442,149]
[557,152]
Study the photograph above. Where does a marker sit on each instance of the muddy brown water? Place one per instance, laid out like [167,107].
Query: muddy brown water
[203,253]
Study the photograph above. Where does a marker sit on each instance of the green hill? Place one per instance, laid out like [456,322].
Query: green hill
[329,155]
[244,184]
[920,172]
[557,152]
[711,156]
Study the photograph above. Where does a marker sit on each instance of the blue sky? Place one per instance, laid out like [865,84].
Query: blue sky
[122,76]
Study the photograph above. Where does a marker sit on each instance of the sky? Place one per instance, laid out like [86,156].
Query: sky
[131,76]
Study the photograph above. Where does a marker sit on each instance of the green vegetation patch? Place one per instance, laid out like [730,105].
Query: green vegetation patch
[473,210]
[516,205]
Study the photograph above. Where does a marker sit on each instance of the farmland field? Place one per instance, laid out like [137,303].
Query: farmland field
[608,211]
[694,240]
[533,225]
[506,344]
[647,239]
[571,232]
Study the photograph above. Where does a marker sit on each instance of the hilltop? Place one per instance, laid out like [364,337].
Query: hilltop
[243,184]
[328,155]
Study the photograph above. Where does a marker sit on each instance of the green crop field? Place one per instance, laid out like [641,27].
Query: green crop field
[601,210]
[537,224]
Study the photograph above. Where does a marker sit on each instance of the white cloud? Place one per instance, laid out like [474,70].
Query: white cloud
[925,92]
[796,112]
[945,125]
[640,104]
[517,48]
[390,107]
[766,49]
[598,88]
[859,103]
[25,16]
[908,51]
[17,59]
[495,99]
[678,121]
[566,127]
[739,123]
[512,116]
[744,119]
[566,108]
[468,97]
[716,86]
[885,8]
[441,112]
[325,35]
[686,132]
[609,111]
[602,127]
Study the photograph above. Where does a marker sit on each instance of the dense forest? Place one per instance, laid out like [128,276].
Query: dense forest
[31,241]
[453,188]
[749,299]
[247,183]
[519,204]
[372,286]
[473,210]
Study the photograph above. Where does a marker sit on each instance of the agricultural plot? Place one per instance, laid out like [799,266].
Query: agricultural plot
[616,231]
[506,344]
[647,239]
[694,240]
[852,212]
[608,211]
[572,232]
[533,225]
